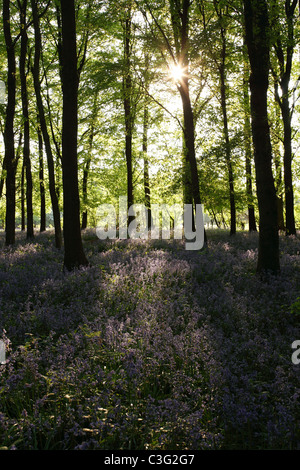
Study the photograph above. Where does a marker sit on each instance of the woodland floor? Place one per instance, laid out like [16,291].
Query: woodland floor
[150,347]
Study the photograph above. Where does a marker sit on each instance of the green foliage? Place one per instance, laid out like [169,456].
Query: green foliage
[295,308]
[100,53]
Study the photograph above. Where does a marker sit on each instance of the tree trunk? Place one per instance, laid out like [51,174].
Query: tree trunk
[146,162]
[23,224]
[248,150]
[74,254]
[285,60]
[189,142]
[186,175]
[257,40]
[42,182]
[180,23]
[188,117]
[127,100]
[278,171]
[40,106]
[26,143]
[189,139]
[227,141]
[2,180]
[86,169]
[191,189]
[84,191]
[10,162]
[287,165]
[251,213]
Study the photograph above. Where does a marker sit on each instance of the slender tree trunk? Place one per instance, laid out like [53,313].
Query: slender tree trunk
[221,66]
[251,212]
[284,105]
[40,106]
[42,181]
[280,207]
[248,149]
[215,218]
[189,139]
[287,165]
[257,39]
[87,165]
[57,178]
[84,193]
[285,60]
[278,171]
[23,224]
[127,100]
[146,161]
[187,183]
[58,157]
[74,254]
[188,117]
[2,180]
[191,187]
[26,144]
[180,22]
[227,141]
[86,171]
[10,162]
[186,175]
[22,183]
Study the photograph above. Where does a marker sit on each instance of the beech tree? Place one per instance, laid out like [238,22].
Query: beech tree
[147,190]
[87,162]
[247,140]
[258,45]
[10,161]
[284,49]
[128,101]
[43,123]
[180,16]
[74,255]
[41,178]
[177,59]
[24,95]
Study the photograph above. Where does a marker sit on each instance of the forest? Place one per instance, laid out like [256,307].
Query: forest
[149,225]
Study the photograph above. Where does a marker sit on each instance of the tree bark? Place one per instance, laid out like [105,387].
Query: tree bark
[74,254]
[222,20]
[147,193]
[23,217]
[278,170]
[10,161]
[26,142]
[183,86]
[42,181]
[128,111]
[248,149]
[226,136]
[87,164]
[287,165]
[40,106]
[84,190]
[180,24]
[257,40]
[285,60]
[84,193]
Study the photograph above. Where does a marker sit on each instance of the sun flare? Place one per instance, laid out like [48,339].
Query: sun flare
[176,72]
